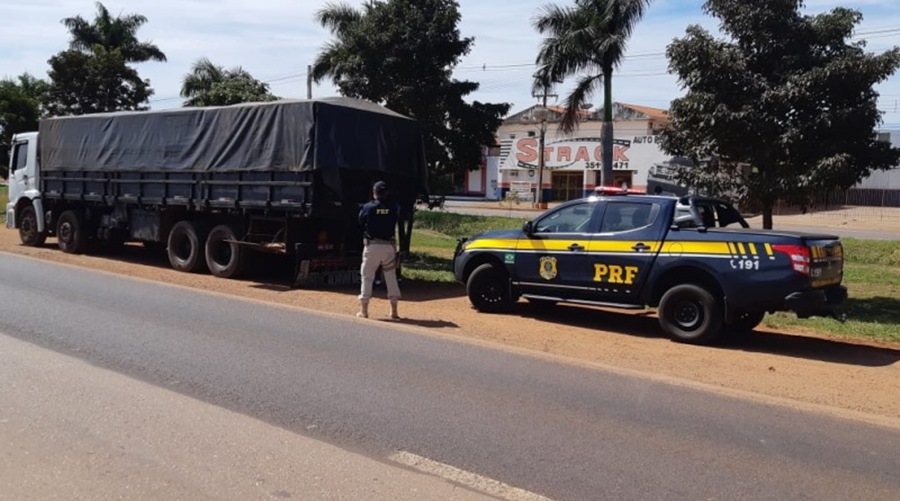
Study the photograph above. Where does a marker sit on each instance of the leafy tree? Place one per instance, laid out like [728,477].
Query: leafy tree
[401,53]
[93,75]
[589,39]
[22,102]
[112,33]
[783,110]
[21,106]
[211,85]
[91,83]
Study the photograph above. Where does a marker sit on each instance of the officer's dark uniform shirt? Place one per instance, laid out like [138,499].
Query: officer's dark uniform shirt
[379,219]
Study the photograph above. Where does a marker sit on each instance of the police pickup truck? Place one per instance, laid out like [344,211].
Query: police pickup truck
[695,258]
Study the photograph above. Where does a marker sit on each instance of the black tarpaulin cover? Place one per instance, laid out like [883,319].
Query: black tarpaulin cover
[331,134]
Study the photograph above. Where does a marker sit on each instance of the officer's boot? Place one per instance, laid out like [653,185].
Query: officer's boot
[363,308]
[394,314]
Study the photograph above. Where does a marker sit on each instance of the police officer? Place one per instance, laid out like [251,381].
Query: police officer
[378,219]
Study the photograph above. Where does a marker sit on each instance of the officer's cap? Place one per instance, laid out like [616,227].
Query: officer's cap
[380,187]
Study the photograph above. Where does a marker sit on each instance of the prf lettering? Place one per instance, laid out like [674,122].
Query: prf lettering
[615,274]
[382,211]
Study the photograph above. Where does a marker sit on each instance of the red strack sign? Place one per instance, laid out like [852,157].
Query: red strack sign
[568,152]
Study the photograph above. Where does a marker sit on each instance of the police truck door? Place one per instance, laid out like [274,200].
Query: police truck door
[552,261]
[624,249]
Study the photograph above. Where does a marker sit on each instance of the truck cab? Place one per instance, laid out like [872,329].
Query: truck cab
[24,209]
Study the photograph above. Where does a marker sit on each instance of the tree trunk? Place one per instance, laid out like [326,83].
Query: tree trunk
[606,171]
[767,216]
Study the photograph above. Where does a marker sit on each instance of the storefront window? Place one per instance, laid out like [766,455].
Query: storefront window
[566,186]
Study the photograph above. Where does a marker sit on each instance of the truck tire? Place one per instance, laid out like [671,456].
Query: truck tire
[224,259]
[28,228]
[70,235]
[185,247]
[690,314]
[746,321]
[488,289]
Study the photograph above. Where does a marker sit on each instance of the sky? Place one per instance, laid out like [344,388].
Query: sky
[275,40]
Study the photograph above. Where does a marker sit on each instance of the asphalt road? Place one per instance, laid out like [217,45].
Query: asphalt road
[889,232]
[564,431]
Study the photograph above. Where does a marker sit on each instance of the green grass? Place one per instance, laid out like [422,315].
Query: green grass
[434,239]
[872,276]
[461,225]
[871,273]
[873,309]
[877,252]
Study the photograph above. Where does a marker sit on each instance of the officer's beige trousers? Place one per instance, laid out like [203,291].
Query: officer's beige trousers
[375,255]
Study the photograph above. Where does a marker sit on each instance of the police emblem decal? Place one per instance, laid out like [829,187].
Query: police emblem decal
[548,267]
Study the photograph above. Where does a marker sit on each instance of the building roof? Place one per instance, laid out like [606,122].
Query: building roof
[621,111]
[654,113]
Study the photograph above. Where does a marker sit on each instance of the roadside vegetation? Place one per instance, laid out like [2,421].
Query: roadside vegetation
[434,239]
[871,272]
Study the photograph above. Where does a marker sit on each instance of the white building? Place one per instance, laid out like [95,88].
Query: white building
[572,163]
[884,179]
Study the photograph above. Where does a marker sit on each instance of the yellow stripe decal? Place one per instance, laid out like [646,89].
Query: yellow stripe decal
[492,243]
[697,248]
[623,246]
[551,245]
[742,249]
[752,248]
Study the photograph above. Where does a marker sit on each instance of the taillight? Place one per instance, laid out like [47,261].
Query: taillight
[799,255]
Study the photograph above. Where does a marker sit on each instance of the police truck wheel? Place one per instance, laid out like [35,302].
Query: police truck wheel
[747,321]
[488,289]
[185,247]
[28,228]
[224,259]
[690,314]
[70,235]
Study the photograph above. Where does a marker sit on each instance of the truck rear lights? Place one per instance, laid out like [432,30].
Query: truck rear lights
[799,254]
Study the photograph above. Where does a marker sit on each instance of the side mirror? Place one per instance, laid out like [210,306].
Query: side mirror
[528,228]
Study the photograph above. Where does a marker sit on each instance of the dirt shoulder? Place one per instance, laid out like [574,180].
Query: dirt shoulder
[853,378]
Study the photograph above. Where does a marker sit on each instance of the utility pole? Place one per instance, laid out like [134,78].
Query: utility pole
[308,81]
[538,196]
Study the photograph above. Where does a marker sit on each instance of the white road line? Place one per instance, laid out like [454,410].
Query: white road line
[472,480]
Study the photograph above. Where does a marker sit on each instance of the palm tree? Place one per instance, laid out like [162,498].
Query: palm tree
[589,37]
[345,22]
[211,85]
[112,33]
[200,81]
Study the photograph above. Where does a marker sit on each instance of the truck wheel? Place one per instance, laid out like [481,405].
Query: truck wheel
[28,228]
[70,235]
[690,314]
[185,247]
[747,321]
[488,289]
[224,259]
